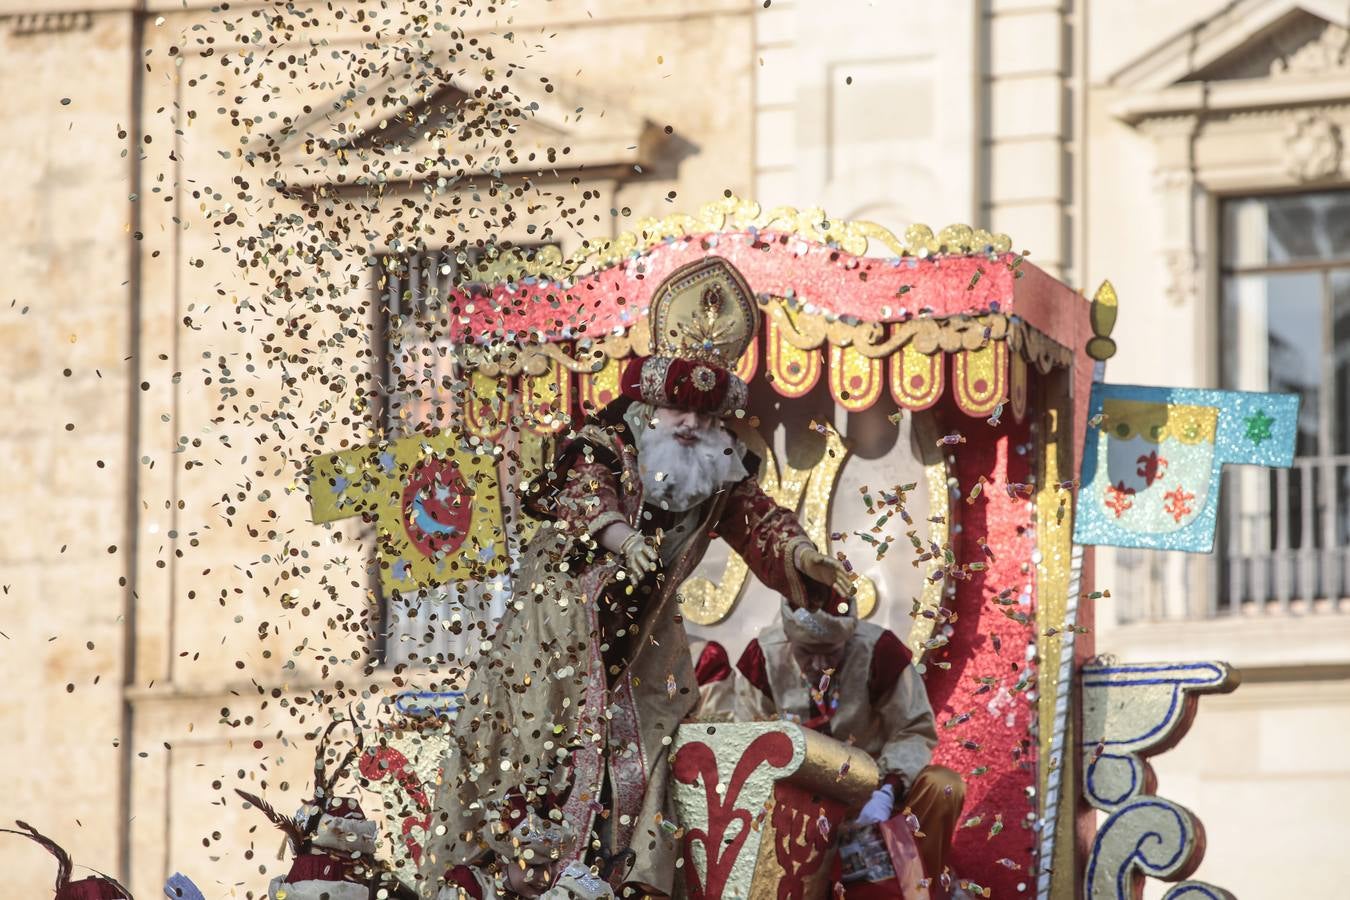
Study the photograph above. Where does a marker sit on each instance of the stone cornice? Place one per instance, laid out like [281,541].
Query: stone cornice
[602,12]
[1224,97]
[1270,640]
[26,24]
[11,9]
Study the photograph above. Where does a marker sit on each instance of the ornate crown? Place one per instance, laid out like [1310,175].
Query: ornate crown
[704,311]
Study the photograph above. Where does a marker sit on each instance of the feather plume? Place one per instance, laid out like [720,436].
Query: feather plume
[294,835]
[345,763]
[64,866]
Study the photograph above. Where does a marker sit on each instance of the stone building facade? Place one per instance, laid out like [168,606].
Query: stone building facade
[1192,151]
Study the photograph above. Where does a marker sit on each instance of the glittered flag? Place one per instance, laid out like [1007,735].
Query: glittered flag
[435,500]
[1153,456]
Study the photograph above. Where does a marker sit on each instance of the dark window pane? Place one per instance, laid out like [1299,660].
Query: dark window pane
[1340,349]
[1290,333]
[1342,474]
[1273,339]
[1340,400]
[1261,231]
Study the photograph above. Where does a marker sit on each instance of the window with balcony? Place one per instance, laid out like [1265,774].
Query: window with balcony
[415,370]
[1285,327]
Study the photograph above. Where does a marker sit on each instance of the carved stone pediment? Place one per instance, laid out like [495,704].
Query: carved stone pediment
[1300,45]
[1254,54]
[418,133]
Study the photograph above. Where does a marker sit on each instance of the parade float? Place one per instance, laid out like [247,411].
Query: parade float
[934,406]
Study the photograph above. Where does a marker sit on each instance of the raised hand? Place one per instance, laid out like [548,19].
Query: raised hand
[825,570]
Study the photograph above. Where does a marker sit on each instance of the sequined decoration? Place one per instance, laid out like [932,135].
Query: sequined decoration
[748,364]
[1153,456]
[487,406]
[792,371]
[546,399]
[980,378]
[916,377]
[1058,574]
[1017,385]
[725,776]
[734,213]
[855,380]
[1129,712]
[599,389]
[446,519]
[815,512]
[936,473]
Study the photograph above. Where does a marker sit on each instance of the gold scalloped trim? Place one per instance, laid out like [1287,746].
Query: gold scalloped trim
[734,214]
[804,331]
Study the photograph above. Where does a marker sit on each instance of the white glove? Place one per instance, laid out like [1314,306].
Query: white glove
[879,808]
[639,555]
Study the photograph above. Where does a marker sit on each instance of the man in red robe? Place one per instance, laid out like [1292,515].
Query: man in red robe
[855,682]
[580,691]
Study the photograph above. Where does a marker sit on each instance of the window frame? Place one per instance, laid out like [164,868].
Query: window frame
[384,373]
[1319,555]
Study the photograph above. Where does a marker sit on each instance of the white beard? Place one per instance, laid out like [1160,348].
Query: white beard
[676,477]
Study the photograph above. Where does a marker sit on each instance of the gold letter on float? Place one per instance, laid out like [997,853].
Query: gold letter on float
[705,602]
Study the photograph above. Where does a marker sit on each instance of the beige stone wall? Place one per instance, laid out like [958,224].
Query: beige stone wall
[1252,767]
[868,110]
[63,516]
[1026,177]
[609,64]
[1262,770]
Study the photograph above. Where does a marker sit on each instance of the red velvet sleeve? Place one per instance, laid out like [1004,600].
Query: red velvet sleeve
[767,536]
[890,658]
[462,877]
[753,666]
[588,501]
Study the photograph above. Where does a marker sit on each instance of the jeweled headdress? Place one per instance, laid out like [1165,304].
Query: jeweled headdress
[704,311]
[702,318]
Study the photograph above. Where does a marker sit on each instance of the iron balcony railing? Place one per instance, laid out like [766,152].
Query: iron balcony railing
[1283,538]
[1280,550]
